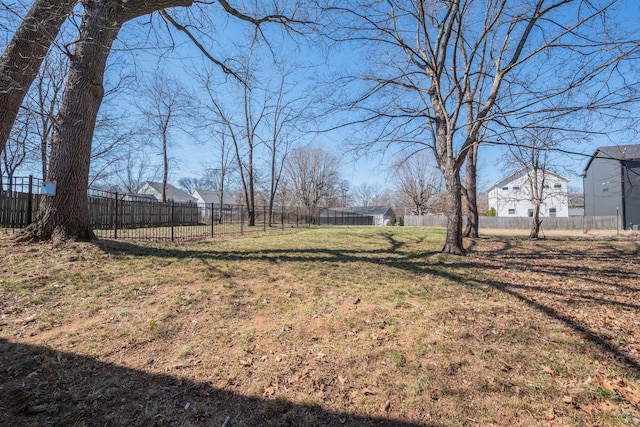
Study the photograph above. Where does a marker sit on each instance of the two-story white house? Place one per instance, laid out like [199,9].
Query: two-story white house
[512,196]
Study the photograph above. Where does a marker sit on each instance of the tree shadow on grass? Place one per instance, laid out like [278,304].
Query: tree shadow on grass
[456,271]
[40,386]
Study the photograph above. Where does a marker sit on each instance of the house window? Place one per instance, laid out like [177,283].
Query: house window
[546,186]
[530,212]
[552,212]
[505,188]
[604,190]
[557,185]
[516,187]
[512,211]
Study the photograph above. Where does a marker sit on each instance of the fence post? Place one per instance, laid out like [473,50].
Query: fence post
[172,212]
[115,219]
[30,201]
[264,218]
[282,218]
[211,216]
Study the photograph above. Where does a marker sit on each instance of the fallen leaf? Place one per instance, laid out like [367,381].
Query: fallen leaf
[550,414]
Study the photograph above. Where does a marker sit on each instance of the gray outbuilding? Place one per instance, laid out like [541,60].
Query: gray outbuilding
[612,184]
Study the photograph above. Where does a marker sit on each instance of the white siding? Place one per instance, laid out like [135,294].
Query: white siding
[511,196]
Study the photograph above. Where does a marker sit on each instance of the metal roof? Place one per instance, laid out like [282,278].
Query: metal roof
[615,152]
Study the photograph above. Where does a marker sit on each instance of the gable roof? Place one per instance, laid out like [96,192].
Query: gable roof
[212,196]
[172,193]
[521,171]
[615,152]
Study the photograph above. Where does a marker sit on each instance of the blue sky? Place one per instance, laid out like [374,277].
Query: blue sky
[181,59]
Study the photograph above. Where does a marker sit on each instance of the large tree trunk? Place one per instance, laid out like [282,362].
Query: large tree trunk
[453,243]
[535,222]
[65,215]
[471,193]
[23,55]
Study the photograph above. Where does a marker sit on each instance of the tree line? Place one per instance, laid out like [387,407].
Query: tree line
[436,80]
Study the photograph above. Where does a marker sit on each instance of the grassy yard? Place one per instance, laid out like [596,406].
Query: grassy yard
[331,326]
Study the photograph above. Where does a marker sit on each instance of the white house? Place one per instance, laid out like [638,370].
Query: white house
[511,196]
[172,193]
[212,197]
[209,202]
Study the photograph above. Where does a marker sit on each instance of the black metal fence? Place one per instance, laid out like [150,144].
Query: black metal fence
[112,215]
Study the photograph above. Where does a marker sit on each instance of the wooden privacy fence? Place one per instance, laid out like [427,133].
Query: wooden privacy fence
[557,223]
[19,201]
[113,212]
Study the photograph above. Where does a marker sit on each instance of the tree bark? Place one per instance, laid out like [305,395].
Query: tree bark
[23,55]
[65,216]
[535,222]
[453,243]
[471,193]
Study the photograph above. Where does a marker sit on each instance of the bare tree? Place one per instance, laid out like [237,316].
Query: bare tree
[137,168]
[65,215]
[21,59]
[44,99]
[418,179]
[284,126]
[241,128]
[364,194]
[313,173]
[270,121]
[440,69]
[18,146]
[533,156]
[166,108]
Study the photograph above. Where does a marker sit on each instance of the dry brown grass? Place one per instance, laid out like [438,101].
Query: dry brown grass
[337,326]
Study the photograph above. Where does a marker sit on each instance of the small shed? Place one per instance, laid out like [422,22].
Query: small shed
[357,215]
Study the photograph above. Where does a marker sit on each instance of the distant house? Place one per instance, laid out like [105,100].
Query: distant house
[209,197]
[172,193]
[359,215]
[612,184]
[209,202]
[511,196]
